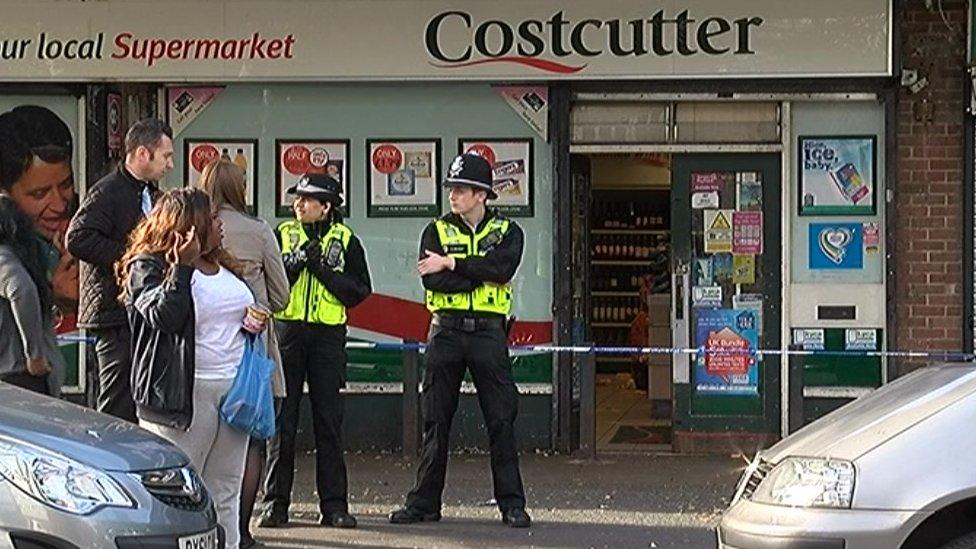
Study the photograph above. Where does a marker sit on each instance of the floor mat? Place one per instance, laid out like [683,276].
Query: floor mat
[642,434]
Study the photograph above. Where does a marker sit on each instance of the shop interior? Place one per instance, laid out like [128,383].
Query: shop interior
[630,297]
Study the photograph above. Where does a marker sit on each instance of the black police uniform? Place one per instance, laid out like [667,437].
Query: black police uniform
[315,353]
[477,341]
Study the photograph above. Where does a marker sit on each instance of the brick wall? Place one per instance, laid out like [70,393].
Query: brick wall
[929,189]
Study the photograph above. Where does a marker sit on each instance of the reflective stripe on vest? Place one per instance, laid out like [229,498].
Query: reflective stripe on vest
[310,301]
[488,297]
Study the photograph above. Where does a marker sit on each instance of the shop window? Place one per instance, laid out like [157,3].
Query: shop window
[619,122]
[727,122]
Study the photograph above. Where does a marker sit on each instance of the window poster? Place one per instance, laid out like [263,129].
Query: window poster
[297,157]
[197,153]
[837,175]
[511,161]
[403,178]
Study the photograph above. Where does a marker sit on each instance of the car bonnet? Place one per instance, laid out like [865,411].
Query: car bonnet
[875,418]
[82,434]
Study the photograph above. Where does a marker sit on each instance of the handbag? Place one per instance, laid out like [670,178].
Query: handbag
[249,405]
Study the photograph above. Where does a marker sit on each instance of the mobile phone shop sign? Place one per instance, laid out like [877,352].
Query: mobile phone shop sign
[221,40]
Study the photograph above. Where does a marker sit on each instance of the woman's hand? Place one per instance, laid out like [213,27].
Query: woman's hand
[38,366]
[64,279]
[187,247]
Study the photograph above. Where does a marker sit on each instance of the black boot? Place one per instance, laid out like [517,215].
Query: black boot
[338,519]
[409,515]
[516,517]
[271,518]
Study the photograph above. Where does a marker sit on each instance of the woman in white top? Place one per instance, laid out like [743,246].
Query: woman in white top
[254,246]
[219,300]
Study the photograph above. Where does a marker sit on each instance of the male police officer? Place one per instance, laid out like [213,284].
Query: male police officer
[326,267]
[467,261]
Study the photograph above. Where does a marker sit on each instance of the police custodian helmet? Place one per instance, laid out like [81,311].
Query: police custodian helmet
[470,170]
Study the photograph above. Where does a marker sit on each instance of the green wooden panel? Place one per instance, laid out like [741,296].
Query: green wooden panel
[841,371]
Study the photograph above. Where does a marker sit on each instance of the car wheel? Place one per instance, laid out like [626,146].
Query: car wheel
[966,541]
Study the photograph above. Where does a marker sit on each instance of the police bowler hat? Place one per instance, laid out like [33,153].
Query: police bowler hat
[321,187]
[470,170]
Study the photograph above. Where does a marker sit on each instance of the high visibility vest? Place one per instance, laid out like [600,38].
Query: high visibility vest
[486,298]
[310,301]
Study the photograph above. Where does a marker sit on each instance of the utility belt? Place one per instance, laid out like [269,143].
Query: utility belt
[467,323]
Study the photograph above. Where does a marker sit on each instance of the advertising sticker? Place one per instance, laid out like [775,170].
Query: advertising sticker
[860,339]
[747,233]
[837,175]
[511,166]
[403,178]
[296,158]
[728,365]
[718,231]
[809,339]
[836,246]
[197,153]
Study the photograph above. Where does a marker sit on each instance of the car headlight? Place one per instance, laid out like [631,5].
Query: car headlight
[58,481]
[808,482]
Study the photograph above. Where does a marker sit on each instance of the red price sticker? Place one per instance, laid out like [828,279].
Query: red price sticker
[203,155]
[387,159]
[295,160]
[484,151]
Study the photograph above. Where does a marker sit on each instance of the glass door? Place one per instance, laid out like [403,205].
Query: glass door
[726,272]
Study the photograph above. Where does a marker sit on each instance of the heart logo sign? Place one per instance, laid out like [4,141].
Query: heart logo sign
[834,242]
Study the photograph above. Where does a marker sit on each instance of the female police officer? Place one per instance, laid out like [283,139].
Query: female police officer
[326,267]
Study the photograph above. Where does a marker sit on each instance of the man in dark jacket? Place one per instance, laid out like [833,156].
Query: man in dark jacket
[97,236]
[326,266]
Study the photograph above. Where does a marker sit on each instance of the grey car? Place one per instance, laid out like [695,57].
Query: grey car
[894,469]
[74,478]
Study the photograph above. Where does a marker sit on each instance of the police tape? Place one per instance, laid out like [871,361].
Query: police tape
[947,356]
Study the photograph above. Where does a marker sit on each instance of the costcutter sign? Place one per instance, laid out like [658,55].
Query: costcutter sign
[439,39]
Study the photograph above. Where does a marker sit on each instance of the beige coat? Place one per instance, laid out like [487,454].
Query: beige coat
[253,243]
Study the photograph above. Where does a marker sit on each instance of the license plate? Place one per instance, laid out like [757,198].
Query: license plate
[206,540]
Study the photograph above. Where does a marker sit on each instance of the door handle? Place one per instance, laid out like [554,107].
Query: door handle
[679,284]
[680,279]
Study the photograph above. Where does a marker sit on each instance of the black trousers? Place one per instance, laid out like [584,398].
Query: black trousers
[449,352]
[112,350]
[315,354]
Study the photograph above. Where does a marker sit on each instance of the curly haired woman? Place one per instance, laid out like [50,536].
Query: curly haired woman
[186,303]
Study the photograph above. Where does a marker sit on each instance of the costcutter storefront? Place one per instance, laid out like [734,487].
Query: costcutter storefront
[717,167]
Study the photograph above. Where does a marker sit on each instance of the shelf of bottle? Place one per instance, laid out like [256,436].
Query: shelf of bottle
[629,231]
[622,262]
[603,293]
[610,325]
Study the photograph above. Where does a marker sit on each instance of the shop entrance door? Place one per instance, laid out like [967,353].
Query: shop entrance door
[725,227]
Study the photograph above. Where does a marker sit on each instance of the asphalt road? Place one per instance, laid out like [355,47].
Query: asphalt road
[621,500]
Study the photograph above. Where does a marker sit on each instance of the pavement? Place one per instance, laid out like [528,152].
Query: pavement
[620,500]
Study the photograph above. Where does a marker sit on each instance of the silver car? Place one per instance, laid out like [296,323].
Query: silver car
[895,468]
[74,478]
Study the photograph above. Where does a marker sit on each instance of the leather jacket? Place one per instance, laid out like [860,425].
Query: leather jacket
[160,311]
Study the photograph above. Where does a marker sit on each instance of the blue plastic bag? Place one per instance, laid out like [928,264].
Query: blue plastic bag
[249,404]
